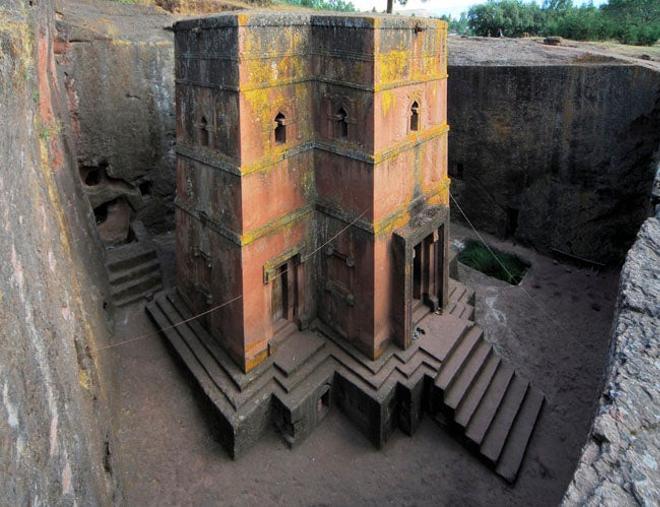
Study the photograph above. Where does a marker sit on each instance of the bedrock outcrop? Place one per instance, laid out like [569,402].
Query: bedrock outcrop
[553,146]
[619,464]
[56,432]
[118,63]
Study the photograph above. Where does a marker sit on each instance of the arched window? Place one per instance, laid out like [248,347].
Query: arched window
[414,116]
[203,132]
[342,123]
[280,129]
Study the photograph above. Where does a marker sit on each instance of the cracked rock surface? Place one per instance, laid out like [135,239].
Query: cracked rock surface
[117,63]
[619,464]
[545,147]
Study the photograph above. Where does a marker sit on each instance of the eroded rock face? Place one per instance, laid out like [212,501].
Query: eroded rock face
[118,62]
[620,462]
[558,156]
[56,434]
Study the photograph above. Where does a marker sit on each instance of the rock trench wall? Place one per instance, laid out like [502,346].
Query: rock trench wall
[619,464]
[118,62]
[558,156]
[56,444]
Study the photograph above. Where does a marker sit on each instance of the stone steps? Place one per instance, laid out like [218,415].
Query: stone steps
[133,272]
[458,359]
[471,399]
[460,301]
[461,310]
[133,290]
[459,292]
[120,277]
[487,402]
[128,256]
[451,371]
[516,444]
[455,394]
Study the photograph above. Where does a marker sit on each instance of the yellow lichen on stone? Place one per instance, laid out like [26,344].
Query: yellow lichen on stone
[84,380]
[242,19]
[393,66]
[441,193]
[388,101]
[393,221]
[20,48]
[271,65]
[279,224]
[257,359]
[411,140]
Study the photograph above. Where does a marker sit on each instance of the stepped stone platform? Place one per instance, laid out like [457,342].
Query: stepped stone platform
[133,269]
[450,372]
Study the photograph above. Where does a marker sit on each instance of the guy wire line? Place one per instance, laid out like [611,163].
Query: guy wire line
[210,310]
[313,253]
[499,261]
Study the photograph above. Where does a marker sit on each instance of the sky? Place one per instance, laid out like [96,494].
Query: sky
[436,7]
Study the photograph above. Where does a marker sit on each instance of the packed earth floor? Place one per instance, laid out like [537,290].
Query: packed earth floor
[554,327]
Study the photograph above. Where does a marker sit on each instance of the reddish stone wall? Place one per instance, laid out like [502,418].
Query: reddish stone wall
[342,89]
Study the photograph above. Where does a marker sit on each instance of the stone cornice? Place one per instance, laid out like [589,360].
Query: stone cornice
[230,165]
[251,235]
[335,82]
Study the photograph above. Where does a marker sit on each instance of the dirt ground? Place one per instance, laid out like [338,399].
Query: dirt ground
[494,51]
[554,328]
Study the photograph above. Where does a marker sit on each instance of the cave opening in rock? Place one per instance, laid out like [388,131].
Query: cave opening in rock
[145,188]
[93,177]
[101,212]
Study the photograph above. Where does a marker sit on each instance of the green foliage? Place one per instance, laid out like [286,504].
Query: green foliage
[629,21]
[459,26]
[324,5]
[578,23]
[634,21]
[510,268]
[508,18]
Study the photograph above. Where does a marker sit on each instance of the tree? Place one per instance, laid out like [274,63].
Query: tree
[459,26]
[557,5]
[509,18]
[634,21]
[637,12]
[629,21]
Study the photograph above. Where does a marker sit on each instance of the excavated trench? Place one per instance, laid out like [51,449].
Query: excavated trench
[558,337]
[551,150]
[554,325]
[550,154]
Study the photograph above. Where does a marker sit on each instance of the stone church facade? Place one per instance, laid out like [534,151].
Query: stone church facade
[312,177]
[312,219]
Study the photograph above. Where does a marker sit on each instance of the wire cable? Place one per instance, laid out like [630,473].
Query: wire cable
[499,261]
[215,308]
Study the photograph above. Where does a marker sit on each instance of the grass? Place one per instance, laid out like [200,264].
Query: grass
[477,256]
